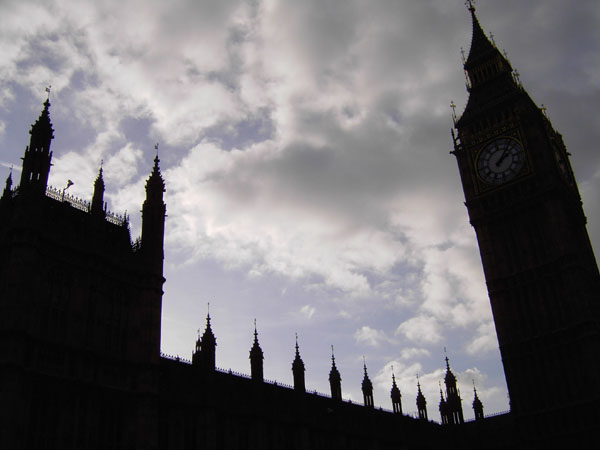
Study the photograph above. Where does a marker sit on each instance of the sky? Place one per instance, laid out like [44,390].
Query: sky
[305,148]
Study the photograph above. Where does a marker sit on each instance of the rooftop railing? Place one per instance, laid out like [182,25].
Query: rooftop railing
[61,196]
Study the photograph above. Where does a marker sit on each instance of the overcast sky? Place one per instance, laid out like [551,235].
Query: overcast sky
[305,147]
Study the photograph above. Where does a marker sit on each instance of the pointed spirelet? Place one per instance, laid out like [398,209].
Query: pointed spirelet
[297,364]
[367,388]
[208,338]
[449,379]
[38,157]
[256,358]
[155,186]
[298,370]
[41,131]
[396,396]
[153,220]
[8,186]
[335,380]
[477,405]
[98,196]
[421,402]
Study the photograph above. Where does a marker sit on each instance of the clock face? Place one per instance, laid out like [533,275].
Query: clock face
[501,160]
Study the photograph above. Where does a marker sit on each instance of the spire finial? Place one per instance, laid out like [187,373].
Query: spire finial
[453,107]
[48,91]
[255,332]
[156,160]
[470,5]
[297,348]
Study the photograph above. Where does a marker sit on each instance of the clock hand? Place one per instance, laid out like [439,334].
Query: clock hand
[503,157]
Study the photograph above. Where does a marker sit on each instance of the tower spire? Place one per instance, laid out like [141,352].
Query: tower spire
[453,400]
[480,43]
[153,219]
[489,73]
[477,405]
[205,353]
[256,358]
[443,406]
[421,402]
[37,158]
[8,186]
[396,396]
[298,370]
[98,207]
[335,380]
[367,387]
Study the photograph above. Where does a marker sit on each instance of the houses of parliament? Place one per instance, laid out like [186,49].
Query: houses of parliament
[80,312]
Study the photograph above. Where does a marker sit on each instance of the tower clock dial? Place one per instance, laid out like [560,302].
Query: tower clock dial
[500,160]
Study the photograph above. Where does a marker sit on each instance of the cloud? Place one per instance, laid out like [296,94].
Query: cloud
[414,352]
[421,329]
[308,311]
[484,341]
[369,336]
[303,144]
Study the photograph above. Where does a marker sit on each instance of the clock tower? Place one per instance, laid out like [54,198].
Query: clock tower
[540,270]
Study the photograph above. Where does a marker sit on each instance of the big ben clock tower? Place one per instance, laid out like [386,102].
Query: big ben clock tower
[540,270]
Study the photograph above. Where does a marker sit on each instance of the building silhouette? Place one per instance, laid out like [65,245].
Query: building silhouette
[80,312]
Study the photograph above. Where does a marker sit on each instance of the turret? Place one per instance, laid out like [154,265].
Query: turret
[421,402]
[335,380]
[6,195]
[204,355]
[396,396]
[98,207]
[298,371]
[477,405]
[37,158]
[256,358]
[444,415]
[153,220]
[367,389]
[453,400]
